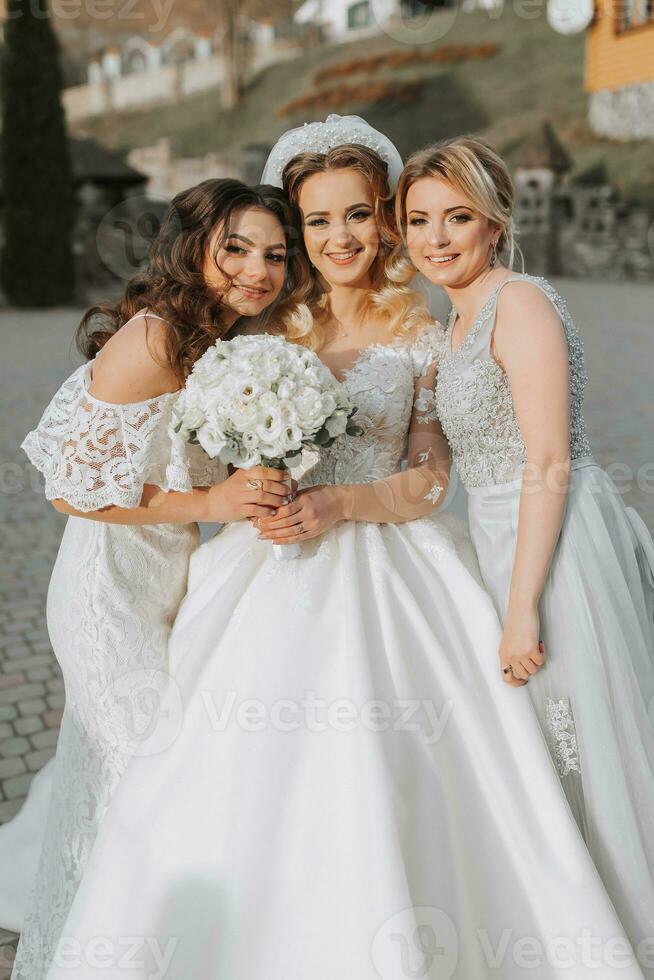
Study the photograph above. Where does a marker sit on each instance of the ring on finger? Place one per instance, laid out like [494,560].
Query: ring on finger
[254,484]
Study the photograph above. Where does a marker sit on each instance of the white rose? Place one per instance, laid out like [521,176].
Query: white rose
[286,390]
[212,439]
[244,418]
[337,424]
[270,427]
[328,404]
[309,409]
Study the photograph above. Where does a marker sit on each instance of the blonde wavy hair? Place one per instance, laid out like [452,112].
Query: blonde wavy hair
[403,309]
[472,166]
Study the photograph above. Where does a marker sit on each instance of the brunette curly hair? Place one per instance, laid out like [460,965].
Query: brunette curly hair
[173,284]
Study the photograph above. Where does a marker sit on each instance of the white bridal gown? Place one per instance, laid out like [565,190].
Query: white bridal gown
[341,786]
[112,598]
[592,695]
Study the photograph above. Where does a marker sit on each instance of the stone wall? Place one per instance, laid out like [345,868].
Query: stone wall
[161,86]
[585,232]
[624,113]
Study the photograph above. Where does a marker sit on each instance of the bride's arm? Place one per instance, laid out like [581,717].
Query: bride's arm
[422,486]
[405,496]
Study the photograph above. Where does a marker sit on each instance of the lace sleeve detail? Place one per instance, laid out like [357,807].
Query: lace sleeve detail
[94,454]
[427,348]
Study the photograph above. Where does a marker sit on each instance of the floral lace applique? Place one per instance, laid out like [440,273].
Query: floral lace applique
[475,402]
[562,735]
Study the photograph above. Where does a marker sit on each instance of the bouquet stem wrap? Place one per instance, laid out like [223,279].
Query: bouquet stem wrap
[284,552]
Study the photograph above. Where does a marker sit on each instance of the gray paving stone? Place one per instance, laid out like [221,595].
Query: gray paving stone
[13,694]
[13,649]
[44,739]
[28,726]
[11,767]
[6,731]
[9,809]
[35,760]
[14,746]
[32,706]
[7,712]
[39,674]
[51,719]
[18,786]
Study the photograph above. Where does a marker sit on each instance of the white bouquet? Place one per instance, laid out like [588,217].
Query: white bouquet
[258,400]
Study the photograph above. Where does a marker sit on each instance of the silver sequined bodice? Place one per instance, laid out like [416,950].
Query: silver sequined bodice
[475,404]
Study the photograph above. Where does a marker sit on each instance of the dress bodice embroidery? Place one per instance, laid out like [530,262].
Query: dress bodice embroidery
[475,404]
[381,383]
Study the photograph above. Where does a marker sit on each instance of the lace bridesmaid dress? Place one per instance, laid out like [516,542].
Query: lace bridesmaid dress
[113,596]
[593,694]
[354,793]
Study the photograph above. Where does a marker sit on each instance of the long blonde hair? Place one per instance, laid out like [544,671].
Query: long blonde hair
[403,309]
[473,167]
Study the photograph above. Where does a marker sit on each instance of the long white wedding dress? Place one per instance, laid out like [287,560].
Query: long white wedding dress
[340,785]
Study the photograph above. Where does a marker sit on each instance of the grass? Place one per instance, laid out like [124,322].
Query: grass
[536,75]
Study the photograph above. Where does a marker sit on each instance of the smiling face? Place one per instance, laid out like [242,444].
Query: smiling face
[247,269]
[448,239]
[340,230]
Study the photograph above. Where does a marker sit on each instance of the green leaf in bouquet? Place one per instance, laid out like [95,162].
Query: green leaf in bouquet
[322,437]
[354,430]
[178,426]
[292,453]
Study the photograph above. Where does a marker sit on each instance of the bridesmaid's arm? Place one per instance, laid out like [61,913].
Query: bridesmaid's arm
[132,367]
[530,344]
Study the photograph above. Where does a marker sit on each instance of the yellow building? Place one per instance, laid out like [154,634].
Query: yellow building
[620,69]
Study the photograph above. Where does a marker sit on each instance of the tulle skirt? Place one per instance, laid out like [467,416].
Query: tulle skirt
[341,786]
[595,694]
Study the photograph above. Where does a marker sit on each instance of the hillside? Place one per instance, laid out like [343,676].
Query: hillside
[535,74]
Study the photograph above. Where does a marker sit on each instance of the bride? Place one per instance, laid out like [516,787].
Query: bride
[340,783]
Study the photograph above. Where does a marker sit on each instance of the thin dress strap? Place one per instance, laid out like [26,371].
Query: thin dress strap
[144,312]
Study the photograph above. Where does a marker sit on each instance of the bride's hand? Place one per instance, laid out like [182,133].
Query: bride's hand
[312,512]
[520,648]
[252,493]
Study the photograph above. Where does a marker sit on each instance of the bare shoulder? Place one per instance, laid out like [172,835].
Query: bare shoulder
[528,333]
[133,365]
[524,309]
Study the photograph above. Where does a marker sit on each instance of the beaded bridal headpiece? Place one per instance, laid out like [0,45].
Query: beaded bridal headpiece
[320,137]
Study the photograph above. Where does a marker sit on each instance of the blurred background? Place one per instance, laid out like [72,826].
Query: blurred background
[156,95]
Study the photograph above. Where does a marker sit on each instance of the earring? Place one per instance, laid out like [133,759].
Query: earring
[493,255]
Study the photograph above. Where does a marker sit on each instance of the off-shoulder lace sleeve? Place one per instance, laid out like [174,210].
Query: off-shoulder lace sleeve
[95,454]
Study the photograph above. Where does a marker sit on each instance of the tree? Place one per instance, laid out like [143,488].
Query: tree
[37,180]
[234,18]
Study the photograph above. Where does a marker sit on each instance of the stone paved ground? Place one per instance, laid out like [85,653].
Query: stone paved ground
[617,322]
